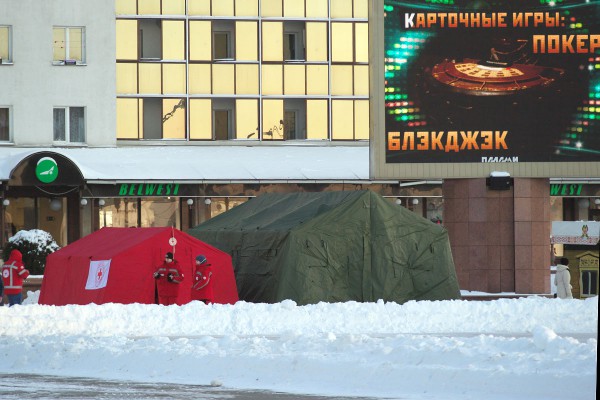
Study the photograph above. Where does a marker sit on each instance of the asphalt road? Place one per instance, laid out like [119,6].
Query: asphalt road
[46,387]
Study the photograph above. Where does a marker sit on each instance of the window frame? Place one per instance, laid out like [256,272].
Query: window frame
[230,121]
[297,31]
[226,28]
[156,32]
[68,139]
[8,125]
[592,278]
[8,61]
[67,60]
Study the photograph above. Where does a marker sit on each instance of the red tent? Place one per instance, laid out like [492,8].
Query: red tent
[115,265]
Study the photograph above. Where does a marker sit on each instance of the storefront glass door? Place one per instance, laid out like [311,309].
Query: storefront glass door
[27,213]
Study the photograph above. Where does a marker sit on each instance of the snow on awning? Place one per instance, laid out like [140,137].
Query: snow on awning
[208,163]
[575,232]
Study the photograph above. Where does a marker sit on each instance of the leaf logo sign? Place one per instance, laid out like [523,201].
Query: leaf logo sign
[46,170]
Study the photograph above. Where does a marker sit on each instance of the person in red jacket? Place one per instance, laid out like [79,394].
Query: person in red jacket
[13,274]
[168,276]
[202,288]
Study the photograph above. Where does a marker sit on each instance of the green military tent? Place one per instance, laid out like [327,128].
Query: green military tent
[333,247]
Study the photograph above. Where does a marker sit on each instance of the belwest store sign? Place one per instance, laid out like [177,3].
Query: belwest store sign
[149,189]
[574,190]
[566,190]
[142,189]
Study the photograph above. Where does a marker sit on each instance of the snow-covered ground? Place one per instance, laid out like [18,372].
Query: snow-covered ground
[518,349]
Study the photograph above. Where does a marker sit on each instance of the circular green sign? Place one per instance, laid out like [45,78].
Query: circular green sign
[46,170]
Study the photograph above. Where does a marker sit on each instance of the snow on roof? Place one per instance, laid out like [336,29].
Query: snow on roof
[208,163]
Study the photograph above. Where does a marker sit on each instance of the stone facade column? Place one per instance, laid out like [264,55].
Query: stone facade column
[500,239]
[532,235]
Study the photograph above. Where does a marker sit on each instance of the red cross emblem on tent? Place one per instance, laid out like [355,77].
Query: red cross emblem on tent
[99,275]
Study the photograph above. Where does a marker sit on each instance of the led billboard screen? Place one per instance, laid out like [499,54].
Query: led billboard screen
[492,81]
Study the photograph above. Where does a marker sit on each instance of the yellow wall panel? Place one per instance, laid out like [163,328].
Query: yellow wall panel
[361,34]
[246,121]
[246,40]
[316,41]
[127,118]
[246,8]
[150,78]
[272,117]
[341,8]
[341,80]
[126,7]
[342,45]
[222,8]
[271,8]
[316,9]
[174,79]
[223,79]
[200,41]
[272,41]
[361,8]
[317,122]
[174,125]
[317,79]
[149,7]
[361,80]
[342,119]
[272,79]
[173,40]
[127,78]
[294,78]
[173,7]
[200,119]
[361,119]
[127,39]
[246,79]
[200,78]
[293,8]
[199,7]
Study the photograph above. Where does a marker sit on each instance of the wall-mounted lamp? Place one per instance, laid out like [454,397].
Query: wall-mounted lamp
[597,202]
[207,201]
[6,202]
[55,204]
[415,202]
[499,180]
[190,202]
[83,202]
[101,202]
[398,202]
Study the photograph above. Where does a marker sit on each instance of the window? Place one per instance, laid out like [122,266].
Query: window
[222,110]
[150,39]
[222,32]
[294,119]
[69,120]
[293,41]
[5,45]
[4,124]
[589,282]
[68,45]
[151,118]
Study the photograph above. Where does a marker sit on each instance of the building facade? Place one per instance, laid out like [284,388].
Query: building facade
[169,112]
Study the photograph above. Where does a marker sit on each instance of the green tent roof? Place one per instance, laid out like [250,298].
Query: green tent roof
[333,246]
